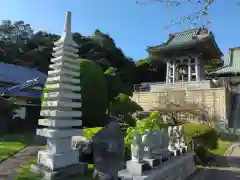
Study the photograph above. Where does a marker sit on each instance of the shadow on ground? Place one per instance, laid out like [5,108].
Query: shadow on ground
[222,174]
[226,161]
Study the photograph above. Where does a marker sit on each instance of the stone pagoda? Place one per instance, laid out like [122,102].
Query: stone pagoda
[61,110]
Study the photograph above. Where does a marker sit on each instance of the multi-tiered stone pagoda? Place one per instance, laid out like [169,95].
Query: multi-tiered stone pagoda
[61,109]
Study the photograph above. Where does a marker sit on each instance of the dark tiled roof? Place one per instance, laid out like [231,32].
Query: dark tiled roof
[182,37]
[19,74]
[189,36]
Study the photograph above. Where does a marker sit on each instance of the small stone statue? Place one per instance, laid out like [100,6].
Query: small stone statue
[137,148]
[171,133]
[177,137]
[147,141]
[182,138]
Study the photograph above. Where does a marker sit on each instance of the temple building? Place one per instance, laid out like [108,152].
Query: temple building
[185,54]
[230,72]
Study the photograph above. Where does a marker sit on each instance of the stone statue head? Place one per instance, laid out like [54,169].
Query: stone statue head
[170,129]
[175,129]
[180,128]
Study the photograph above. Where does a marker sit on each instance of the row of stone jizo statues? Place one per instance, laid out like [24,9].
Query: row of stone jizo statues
[158,143]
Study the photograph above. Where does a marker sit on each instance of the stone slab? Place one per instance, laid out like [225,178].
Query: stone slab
[59,133]
[153,162]
[63,173]
[61,104]
[60,114]
[63,79]
[59,123]
[63,86]
[62,95]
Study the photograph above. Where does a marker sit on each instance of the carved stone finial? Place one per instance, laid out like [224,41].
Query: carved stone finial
[67,26]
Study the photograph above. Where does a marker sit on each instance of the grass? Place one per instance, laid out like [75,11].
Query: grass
[9,144]
[27,174]
[221,148]
[90,132]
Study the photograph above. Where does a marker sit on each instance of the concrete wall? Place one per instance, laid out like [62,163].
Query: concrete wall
[214,100]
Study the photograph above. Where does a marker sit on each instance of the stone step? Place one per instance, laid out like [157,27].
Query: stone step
[62,95]
[59,133]
[51,122]
[60,104]
[63,78]
[63,87]
[58,72]
[60,114]
[64,64]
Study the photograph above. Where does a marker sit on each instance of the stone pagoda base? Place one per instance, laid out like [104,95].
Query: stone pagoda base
[61,173]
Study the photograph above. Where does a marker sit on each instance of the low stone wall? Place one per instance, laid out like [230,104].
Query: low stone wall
[179,167]
[216,101]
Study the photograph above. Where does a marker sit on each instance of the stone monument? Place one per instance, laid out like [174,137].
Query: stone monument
[108,151]
[59,106]
[149,142]
[137,149]
[137,165]
[161,141]
[184,147]
[172,132]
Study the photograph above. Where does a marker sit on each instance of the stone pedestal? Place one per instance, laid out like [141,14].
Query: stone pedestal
[137,168]
[61,173]
[164,155]
[153,162]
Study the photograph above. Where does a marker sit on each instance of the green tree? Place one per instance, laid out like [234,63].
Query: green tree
[94,94]
[149,70]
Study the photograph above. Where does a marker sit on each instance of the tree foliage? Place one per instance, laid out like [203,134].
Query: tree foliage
[93,93]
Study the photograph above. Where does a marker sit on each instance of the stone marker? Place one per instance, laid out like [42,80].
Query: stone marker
[108,151]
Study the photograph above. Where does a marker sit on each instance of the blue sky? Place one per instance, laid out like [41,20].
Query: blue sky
[132,26]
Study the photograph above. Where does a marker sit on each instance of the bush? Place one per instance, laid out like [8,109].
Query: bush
[125,106]
[90,132]
[94,93]
[204,138]
[201,134]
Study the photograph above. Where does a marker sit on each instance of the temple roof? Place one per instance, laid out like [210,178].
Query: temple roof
[232,63]
[188,39]
[18,74]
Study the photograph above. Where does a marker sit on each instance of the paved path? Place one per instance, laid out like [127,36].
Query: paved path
[10,168]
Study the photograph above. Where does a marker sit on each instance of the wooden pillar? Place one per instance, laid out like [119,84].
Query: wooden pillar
[174,71]
[167,72]
[189,70]
[197,69]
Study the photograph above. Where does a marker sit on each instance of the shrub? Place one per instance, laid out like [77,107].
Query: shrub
[94,93]
[125,106]
[201,134]
[90,132]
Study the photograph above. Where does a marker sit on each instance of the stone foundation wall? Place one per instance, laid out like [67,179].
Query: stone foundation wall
[216,101]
